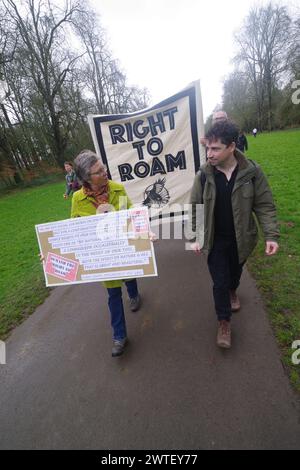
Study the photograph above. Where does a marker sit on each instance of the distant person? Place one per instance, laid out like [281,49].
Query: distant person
[233,189]
[216,117]
[72,183]
[219,116]
[96,195]
[254,132]
[242,143]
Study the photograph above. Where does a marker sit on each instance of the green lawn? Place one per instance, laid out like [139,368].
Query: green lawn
[22,285]
[278,277]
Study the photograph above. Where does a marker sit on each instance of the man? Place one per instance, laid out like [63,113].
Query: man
[242,143]
[216,117]
[219,116]
[232,189]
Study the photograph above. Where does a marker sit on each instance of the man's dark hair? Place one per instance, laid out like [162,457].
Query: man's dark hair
[68,163]
[226,131]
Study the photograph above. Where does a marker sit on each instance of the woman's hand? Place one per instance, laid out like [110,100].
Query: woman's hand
[152,236]
[196,247]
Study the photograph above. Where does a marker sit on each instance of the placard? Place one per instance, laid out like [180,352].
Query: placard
[102,247]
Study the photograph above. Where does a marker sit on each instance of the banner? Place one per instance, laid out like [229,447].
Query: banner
[155,152]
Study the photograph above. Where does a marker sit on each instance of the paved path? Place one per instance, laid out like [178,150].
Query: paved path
[173,389]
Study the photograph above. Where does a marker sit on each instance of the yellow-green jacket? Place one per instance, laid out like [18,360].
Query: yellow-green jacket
[82,205]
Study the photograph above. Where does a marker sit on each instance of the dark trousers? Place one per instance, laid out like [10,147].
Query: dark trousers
[225,270]
[116,308]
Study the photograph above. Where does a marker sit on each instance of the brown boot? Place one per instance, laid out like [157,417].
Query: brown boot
[235,301]
[224,334]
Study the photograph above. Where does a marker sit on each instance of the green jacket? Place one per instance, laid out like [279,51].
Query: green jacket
[251,195]
[82,205]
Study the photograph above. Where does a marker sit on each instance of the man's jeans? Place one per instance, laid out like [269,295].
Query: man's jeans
[116,307]
[225,270]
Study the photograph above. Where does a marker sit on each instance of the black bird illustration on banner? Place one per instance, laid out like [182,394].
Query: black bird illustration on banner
[156,195]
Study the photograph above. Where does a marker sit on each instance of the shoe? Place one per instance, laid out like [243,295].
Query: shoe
[118,347]
[135,303]
[224,334]
[235,301]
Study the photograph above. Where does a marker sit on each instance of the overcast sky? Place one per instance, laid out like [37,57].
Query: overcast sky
[163,45]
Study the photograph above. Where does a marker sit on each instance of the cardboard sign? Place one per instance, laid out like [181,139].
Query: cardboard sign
[114,245]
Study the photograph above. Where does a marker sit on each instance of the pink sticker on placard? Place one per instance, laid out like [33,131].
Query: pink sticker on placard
[140,221]
[61,267]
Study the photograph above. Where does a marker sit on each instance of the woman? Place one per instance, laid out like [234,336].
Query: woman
[72,184]
[96,195]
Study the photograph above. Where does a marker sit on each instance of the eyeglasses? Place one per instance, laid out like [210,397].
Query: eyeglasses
[101,172]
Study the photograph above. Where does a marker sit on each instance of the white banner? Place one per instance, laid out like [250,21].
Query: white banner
[155,152]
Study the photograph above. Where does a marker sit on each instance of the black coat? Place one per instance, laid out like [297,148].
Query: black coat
[242,143]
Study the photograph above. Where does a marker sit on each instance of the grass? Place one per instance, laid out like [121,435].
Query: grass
[278,277]
[21,278]
[22,285]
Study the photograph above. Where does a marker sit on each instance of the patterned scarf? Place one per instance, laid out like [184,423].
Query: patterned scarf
[100,196]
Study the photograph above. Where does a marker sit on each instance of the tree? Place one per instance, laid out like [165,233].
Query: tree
[239,100]
[101,73]
[41,33]
[55,79]
[266,44]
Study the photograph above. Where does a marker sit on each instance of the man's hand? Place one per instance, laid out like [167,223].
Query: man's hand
[66,196]
[196,247]
[271,248]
